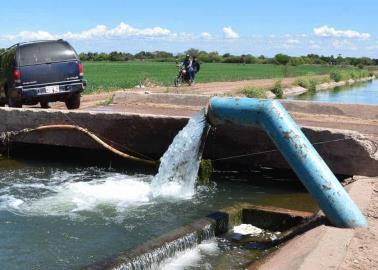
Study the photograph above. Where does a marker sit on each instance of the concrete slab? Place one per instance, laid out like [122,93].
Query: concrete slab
[346,152]
[327,247]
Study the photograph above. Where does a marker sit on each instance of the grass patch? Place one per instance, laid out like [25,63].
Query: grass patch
[106,102]
[110,76]
[344,75]
[309,83]
[253,92]
[277,89]
[335,75]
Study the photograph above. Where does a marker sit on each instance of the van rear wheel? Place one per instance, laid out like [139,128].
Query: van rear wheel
[14,103]
[73,102]
[44,105]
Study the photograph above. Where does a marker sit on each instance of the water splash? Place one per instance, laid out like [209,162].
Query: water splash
[179,165]
[192,258]
[63,193]
[176,254]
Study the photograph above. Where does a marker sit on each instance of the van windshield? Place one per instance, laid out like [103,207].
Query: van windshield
[45,52]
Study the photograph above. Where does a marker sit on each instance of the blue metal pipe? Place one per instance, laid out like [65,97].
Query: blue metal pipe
[314,173]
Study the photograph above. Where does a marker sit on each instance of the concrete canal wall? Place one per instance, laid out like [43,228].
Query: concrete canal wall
[299,90]
[348,152]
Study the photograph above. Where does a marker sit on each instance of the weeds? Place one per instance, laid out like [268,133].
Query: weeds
[106,102]
[344,75]
[309,83]
[253,92]
[277,89]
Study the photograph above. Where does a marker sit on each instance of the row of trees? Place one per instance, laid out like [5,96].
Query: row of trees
[215,57]
[284,59]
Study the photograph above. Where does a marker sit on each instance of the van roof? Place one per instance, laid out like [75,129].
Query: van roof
[38,41]
[33,42]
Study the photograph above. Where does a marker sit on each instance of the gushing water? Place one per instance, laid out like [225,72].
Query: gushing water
[115,197]
[69,194]
[179,165]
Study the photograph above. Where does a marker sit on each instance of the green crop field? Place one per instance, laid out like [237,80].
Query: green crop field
[107,76]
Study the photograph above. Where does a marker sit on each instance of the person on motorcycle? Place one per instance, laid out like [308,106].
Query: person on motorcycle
[188,66]
[196,66]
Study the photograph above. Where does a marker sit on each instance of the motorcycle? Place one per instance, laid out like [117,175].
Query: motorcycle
[182,77]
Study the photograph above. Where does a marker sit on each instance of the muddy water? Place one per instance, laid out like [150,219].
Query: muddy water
[55,216]
[361,93]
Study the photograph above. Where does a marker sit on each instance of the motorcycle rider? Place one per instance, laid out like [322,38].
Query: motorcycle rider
[188,66]
[196,66]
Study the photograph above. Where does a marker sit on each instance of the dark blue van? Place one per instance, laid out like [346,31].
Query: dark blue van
[41,72]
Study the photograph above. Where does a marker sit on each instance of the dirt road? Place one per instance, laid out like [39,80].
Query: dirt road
[211,89]
[321,116]
[363,249]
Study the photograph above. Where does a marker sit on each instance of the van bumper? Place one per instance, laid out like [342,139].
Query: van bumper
[34,95]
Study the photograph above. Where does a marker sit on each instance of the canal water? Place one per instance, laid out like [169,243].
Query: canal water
[360,93]
[65,216]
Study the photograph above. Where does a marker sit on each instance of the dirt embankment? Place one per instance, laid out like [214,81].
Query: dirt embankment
[225,88]
[363,248]
[211,89]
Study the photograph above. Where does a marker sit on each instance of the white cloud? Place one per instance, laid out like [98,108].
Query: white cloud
[343,44]
[184,36]
[97,32]
[124,29]
[293,41]
[313,44]
[230,33]
[326,31]
[30,35]
[206,35]
[372,47]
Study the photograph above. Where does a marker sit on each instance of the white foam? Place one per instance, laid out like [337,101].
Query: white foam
[192,257]
[209,247]
[118,191]
[247,229]
[9,202]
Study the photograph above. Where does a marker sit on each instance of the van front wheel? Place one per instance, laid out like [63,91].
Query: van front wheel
[73,102]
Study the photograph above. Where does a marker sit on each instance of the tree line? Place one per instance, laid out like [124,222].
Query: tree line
[215,57]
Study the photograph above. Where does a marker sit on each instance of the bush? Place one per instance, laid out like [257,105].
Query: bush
[303,82]
[312,86]
[309,83]
[344,75]
[335,76]
[277,89]
[253,92]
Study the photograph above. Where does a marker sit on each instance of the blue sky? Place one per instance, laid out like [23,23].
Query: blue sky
[237,26]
